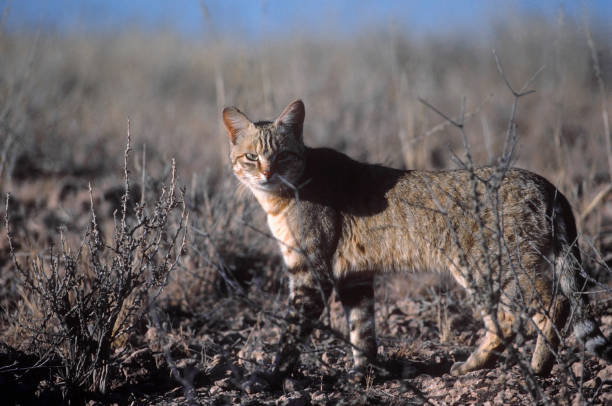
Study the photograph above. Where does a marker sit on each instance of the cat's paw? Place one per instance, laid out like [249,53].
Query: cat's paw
[361,376]
[458,369]
[356,376]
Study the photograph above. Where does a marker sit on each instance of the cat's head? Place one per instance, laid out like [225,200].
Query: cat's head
[267,155]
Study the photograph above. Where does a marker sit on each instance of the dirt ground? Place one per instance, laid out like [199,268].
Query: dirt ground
[217,339]
[216,350]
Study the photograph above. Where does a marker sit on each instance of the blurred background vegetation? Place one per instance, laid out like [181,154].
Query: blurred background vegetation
[73,72]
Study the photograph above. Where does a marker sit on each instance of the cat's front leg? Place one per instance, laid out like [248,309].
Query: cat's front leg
[357,296]
[308,296]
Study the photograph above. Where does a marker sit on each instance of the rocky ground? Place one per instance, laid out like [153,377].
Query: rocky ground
[215,340]
[211,355]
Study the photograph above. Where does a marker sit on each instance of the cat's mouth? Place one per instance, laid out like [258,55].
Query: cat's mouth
[268,184]
[275,183]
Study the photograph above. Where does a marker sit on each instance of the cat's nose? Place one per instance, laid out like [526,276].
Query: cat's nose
[266,173]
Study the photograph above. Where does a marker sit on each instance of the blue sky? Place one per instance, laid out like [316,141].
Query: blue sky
[259,18]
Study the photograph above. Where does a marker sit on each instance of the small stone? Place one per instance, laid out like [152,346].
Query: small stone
[577,368]
[606,398]
[576,400]
[224,383]
[591,384]
[292,385]
[605,374]
[261,357]
[328,358]
[295,399]
[319,397]
[215,390]
[504,397]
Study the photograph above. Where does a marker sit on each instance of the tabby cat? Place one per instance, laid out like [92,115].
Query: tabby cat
[340,222]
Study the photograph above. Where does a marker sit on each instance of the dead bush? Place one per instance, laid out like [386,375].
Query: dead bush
[81,305]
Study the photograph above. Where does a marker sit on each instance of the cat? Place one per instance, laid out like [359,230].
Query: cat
[339,222]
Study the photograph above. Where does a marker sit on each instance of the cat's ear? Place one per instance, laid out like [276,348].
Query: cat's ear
[293,117]
[235,121]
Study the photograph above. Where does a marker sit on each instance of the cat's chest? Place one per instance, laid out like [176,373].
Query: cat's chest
[279,212]
[285,236]
[279,226]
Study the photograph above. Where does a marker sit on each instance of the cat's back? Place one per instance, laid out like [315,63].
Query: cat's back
[335,180]
[462,186]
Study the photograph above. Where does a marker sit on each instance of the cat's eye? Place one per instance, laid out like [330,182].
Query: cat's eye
[251,157]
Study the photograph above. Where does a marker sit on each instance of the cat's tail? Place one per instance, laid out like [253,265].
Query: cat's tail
[572,282]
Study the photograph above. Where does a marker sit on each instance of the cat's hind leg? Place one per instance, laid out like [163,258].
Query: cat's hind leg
[357,296]
[548,327]
[486,353]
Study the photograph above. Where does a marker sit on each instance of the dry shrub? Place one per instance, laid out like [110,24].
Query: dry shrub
[80,305]
[488,298]
[229,246]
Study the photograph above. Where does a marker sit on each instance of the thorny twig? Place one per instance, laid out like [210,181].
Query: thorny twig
[491,187]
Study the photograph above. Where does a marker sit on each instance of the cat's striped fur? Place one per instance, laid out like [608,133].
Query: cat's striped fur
[339,222]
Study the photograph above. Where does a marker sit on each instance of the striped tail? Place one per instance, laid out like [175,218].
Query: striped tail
[588,332]
[569,272]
